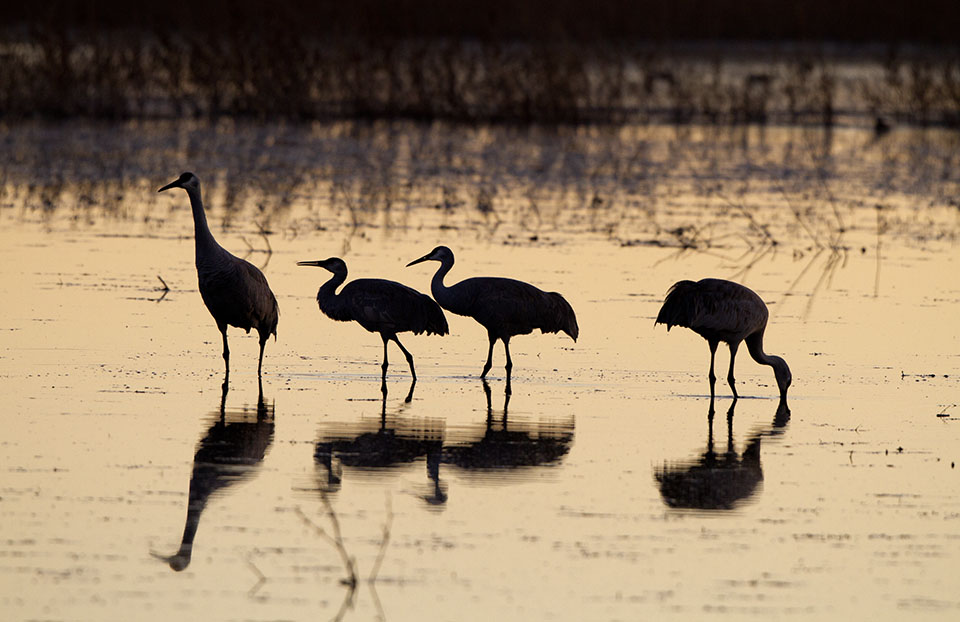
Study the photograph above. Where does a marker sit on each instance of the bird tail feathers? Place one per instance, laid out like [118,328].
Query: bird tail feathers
[680,306]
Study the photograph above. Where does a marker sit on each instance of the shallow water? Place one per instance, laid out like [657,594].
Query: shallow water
[599,489]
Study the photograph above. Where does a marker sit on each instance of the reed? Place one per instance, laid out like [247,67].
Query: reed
[268,70]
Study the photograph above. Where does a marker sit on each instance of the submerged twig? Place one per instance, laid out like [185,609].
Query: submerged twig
[261,578]
[336,540]
[264,234]
[165,289]
[803,223]
[388,522]
[756,226]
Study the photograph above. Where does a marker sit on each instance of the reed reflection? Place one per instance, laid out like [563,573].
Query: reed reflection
[719,480]
[231,451]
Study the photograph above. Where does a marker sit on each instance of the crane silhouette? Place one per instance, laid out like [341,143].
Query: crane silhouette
[235,291]
[720,310]
[504,307]
[380,306]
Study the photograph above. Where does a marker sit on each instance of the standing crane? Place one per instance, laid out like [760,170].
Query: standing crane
[720,310]
[380,306]
[235,291]
[504,307]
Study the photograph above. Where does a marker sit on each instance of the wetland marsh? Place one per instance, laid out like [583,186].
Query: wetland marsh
[598,490]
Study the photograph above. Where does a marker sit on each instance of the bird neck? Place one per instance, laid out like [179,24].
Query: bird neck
[780,368]
[201,231]
[328,300]
[437,288]
[755,346]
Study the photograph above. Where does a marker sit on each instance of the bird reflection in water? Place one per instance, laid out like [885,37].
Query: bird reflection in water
[493,448]
[231,451]
[392,441]
[719,480]
[525,444]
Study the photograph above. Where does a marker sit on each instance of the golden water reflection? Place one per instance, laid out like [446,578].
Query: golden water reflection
[93,366]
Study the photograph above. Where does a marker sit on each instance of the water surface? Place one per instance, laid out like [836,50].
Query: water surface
[599,489]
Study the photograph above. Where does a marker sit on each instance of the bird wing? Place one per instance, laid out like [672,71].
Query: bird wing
[510,307]
[714,308]
[390,307]
[237,293]
[728,309]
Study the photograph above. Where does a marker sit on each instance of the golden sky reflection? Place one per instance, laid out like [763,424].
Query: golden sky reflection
[110,393]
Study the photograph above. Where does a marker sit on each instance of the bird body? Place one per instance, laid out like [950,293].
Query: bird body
[720,310]
[234,291]
[505,307]
[379,306]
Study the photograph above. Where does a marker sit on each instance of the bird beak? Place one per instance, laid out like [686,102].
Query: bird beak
[316,263]
[172,184]
[416,261]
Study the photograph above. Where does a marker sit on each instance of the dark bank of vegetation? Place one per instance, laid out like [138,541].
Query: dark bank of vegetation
[718,61]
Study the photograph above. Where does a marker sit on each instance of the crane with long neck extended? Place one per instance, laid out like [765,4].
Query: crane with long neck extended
[234,291]
[505,307]
[380,306]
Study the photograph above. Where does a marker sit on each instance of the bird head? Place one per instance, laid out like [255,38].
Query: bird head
[440,253]
[782,373]
[186,181]
[333,264]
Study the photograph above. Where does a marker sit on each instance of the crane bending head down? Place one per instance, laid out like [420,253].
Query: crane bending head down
[720,310]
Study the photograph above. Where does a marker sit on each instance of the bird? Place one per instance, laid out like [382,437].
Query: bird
[380,306]
[235,291]
[720,310]
[505,307]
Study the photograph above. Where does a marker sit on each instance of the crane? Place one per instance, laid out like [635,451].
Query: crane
[380,306]
[235,291]
[720,310]
[504,307]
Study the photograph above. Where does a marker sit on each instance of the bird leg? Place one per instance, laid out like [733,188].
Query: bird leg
[226,348]
[509,365]
[489,363]
[409,358]
[383,377]
[409,398]
[263,342]
[730,379]
[226,356]
[711,376]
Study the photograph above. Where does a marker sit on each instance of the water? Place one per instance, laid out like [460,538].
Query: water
[600,489]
